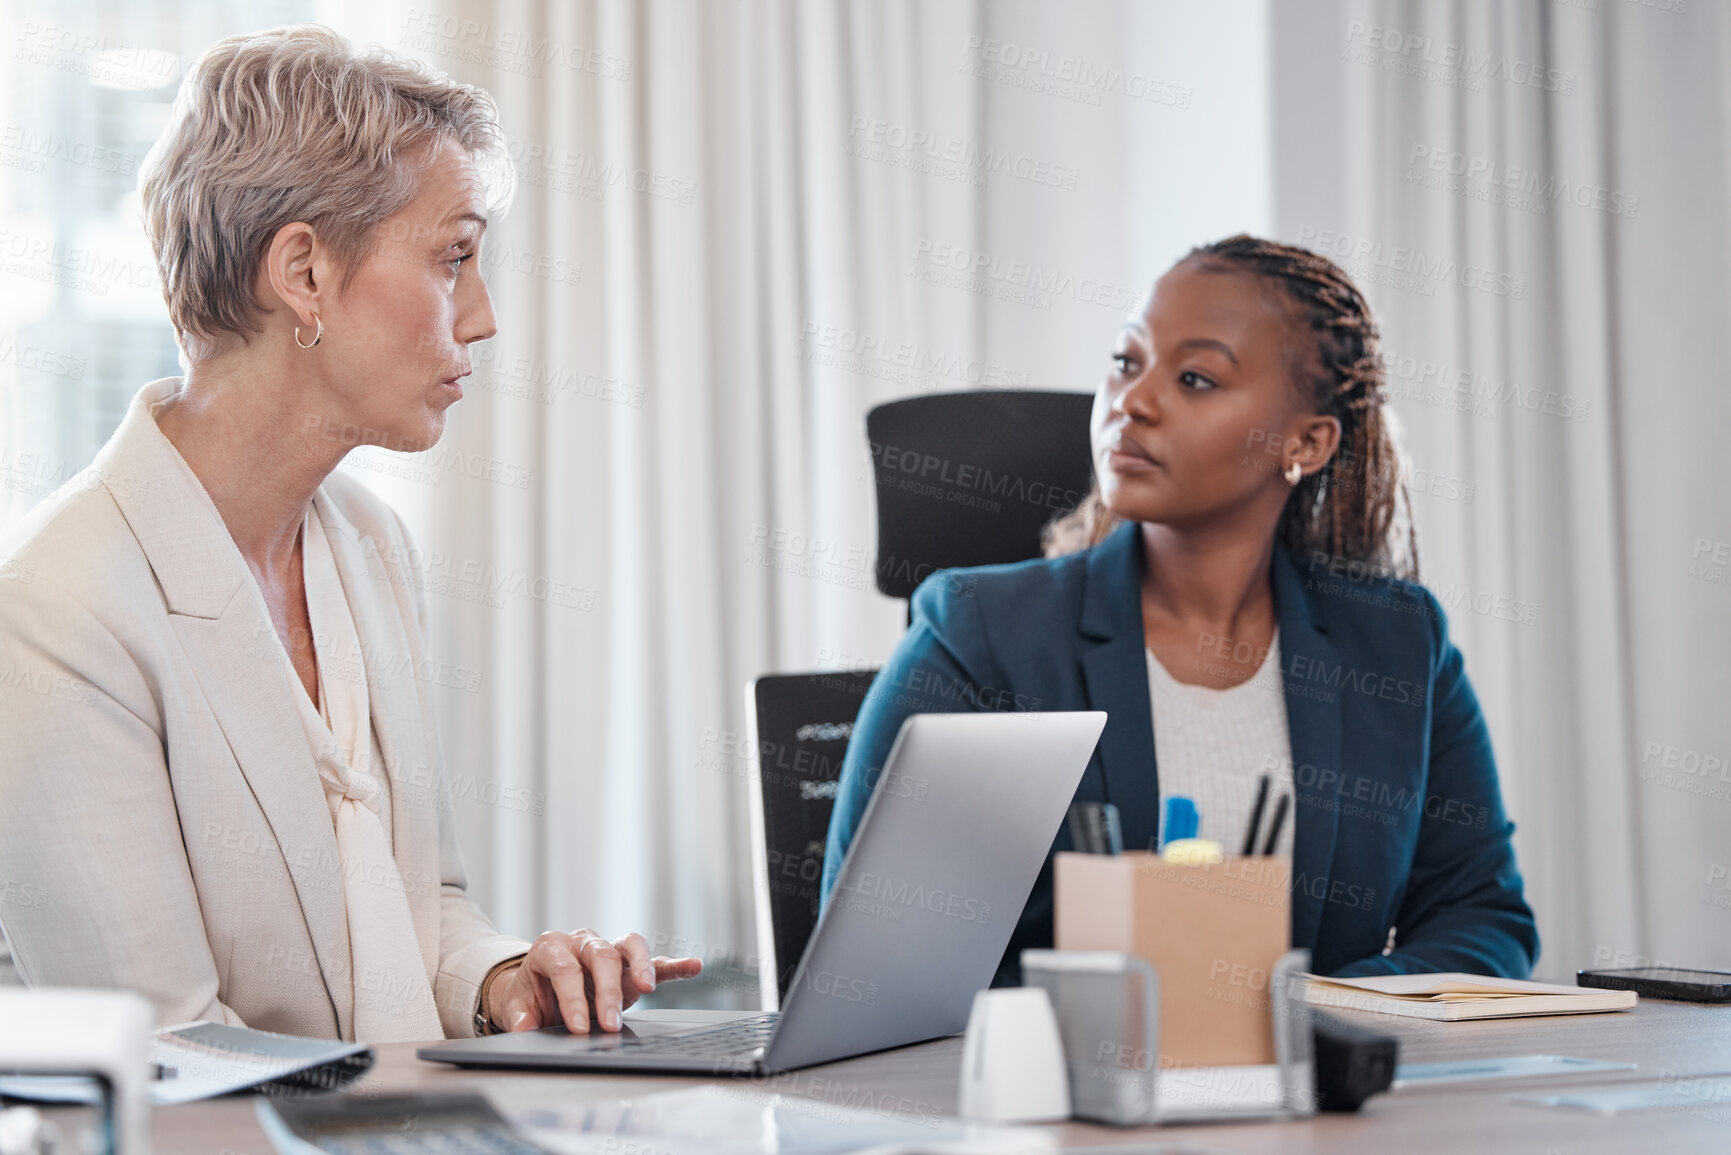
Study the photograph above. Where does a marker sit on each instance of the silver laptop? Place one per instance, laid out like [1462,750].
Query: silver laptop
[931,888]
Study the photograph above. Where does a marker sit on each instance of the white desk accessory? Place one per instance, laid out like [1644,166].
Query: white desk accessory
[1013,1060]
[96,1033]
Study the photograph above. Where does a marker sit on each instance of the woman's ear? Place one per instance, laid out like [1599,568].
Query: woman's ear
[1317,440]
[293,270]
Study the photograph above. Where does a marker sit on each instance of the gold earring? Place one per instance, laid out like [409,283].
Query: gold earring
[317,336]
[1294,473]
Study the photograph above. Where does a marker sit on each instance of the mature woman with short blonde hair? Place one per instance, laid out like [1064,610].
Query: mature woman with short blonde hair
[231,813]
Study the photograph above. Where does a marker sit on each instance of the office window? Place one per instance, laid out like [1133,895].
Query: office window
[84,93]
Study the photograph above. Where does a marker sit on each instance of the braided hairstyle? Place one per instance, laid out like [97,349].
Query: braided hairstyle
[1356,507]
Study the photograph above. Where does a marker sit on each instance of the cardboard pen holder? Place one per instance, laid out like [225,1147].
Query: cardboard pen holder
[1230,989]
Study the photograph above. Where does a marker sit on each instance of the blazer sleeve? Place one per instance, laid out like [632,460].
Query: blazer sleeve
[942,665]
[95,886]
[469,945]
[1463,908]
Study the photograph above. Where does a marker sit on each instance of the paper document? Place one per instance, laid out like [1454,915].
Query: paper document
[1452,997]
[202,1060]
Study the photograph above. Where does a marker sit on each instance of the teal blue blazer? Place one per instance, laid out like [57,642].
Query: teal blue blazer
[1399,823]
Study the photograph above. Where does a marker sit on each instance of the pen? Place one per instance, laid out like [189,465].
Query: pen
[1256,815]
[1182,819]
[1095,828]
[1274,826]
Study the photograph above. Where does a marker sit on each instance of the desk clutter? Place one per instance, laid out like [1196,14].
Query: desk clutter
[1219,1020]
[201,1060]
[907,1096]
[88,1067]
[1211,1023]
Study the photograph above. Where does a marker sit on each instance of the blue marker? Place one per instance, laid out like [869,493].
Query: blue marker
[1182,821]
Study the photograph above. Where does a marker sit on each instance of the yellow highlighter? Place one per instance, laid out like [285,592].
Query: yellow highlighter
[1193,852]
[1182,845]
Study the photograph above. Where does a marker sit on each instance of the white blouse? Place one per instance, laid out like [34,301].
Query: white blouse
[1213,746]
[393,995]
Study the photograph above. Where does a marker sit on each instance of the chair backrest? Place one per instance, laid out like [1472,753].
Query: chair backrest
[963,479]
[971,478]
[801,724]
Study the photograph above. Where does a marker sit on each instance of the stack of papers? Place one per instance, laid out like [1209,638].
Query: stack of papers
[1452,997]
[202,1060]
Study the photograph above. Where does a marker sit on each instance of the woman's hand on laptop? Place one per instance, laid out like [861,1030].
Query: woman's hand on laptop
[579,979]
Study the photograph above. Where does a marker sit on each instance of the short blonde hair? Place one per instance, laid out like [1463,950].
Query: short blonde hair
[290,125]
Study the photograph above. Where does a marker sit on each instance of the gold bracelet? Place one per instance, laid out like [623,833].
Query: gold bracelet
[483,1023]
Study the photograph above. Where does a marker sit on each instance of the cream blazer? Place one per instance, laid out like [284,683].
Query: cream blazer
[162,825]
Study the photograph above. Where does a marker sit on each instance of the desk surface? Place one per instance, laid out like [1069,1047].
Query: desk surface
[1665,1039]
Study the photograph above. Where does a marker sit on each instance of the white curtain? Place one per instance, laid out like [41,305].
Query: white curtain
[731,240]
[728,246]
[1537,200]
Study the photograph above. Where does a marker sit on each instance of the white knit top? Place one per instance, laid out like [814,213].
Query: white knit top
[1212,746]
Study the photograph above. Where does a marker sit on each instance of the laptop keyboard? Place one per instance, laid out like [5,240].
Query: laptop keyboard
[739,1037]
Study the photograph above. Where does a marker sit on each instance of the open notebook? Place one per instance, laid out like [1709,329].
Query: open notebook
[1452,997]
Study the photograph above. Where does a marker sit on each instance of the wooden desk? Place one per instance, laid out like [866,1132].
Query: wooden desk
[1665,1039]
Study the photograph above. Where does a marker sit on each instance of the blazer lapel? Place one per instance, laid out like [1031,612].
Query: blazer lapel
[220,617]
[1116,675]
[1313,722]
[393,666]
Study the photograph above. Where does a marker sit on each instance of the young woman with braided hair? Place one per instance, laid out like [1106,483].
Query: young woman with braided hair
[1239,594]
[1351,506]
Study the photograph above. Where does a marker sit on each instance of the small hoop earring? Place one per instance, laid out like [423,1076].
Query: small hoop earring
[317,336]
[1294,472]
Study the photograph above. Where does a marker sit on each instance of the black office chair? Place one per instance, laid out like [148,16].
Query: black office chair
[972,478]
[800,729]
[962,479]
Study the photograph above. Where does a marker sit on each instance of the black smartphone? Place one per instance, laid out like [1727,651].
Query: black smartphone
[1663,983]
